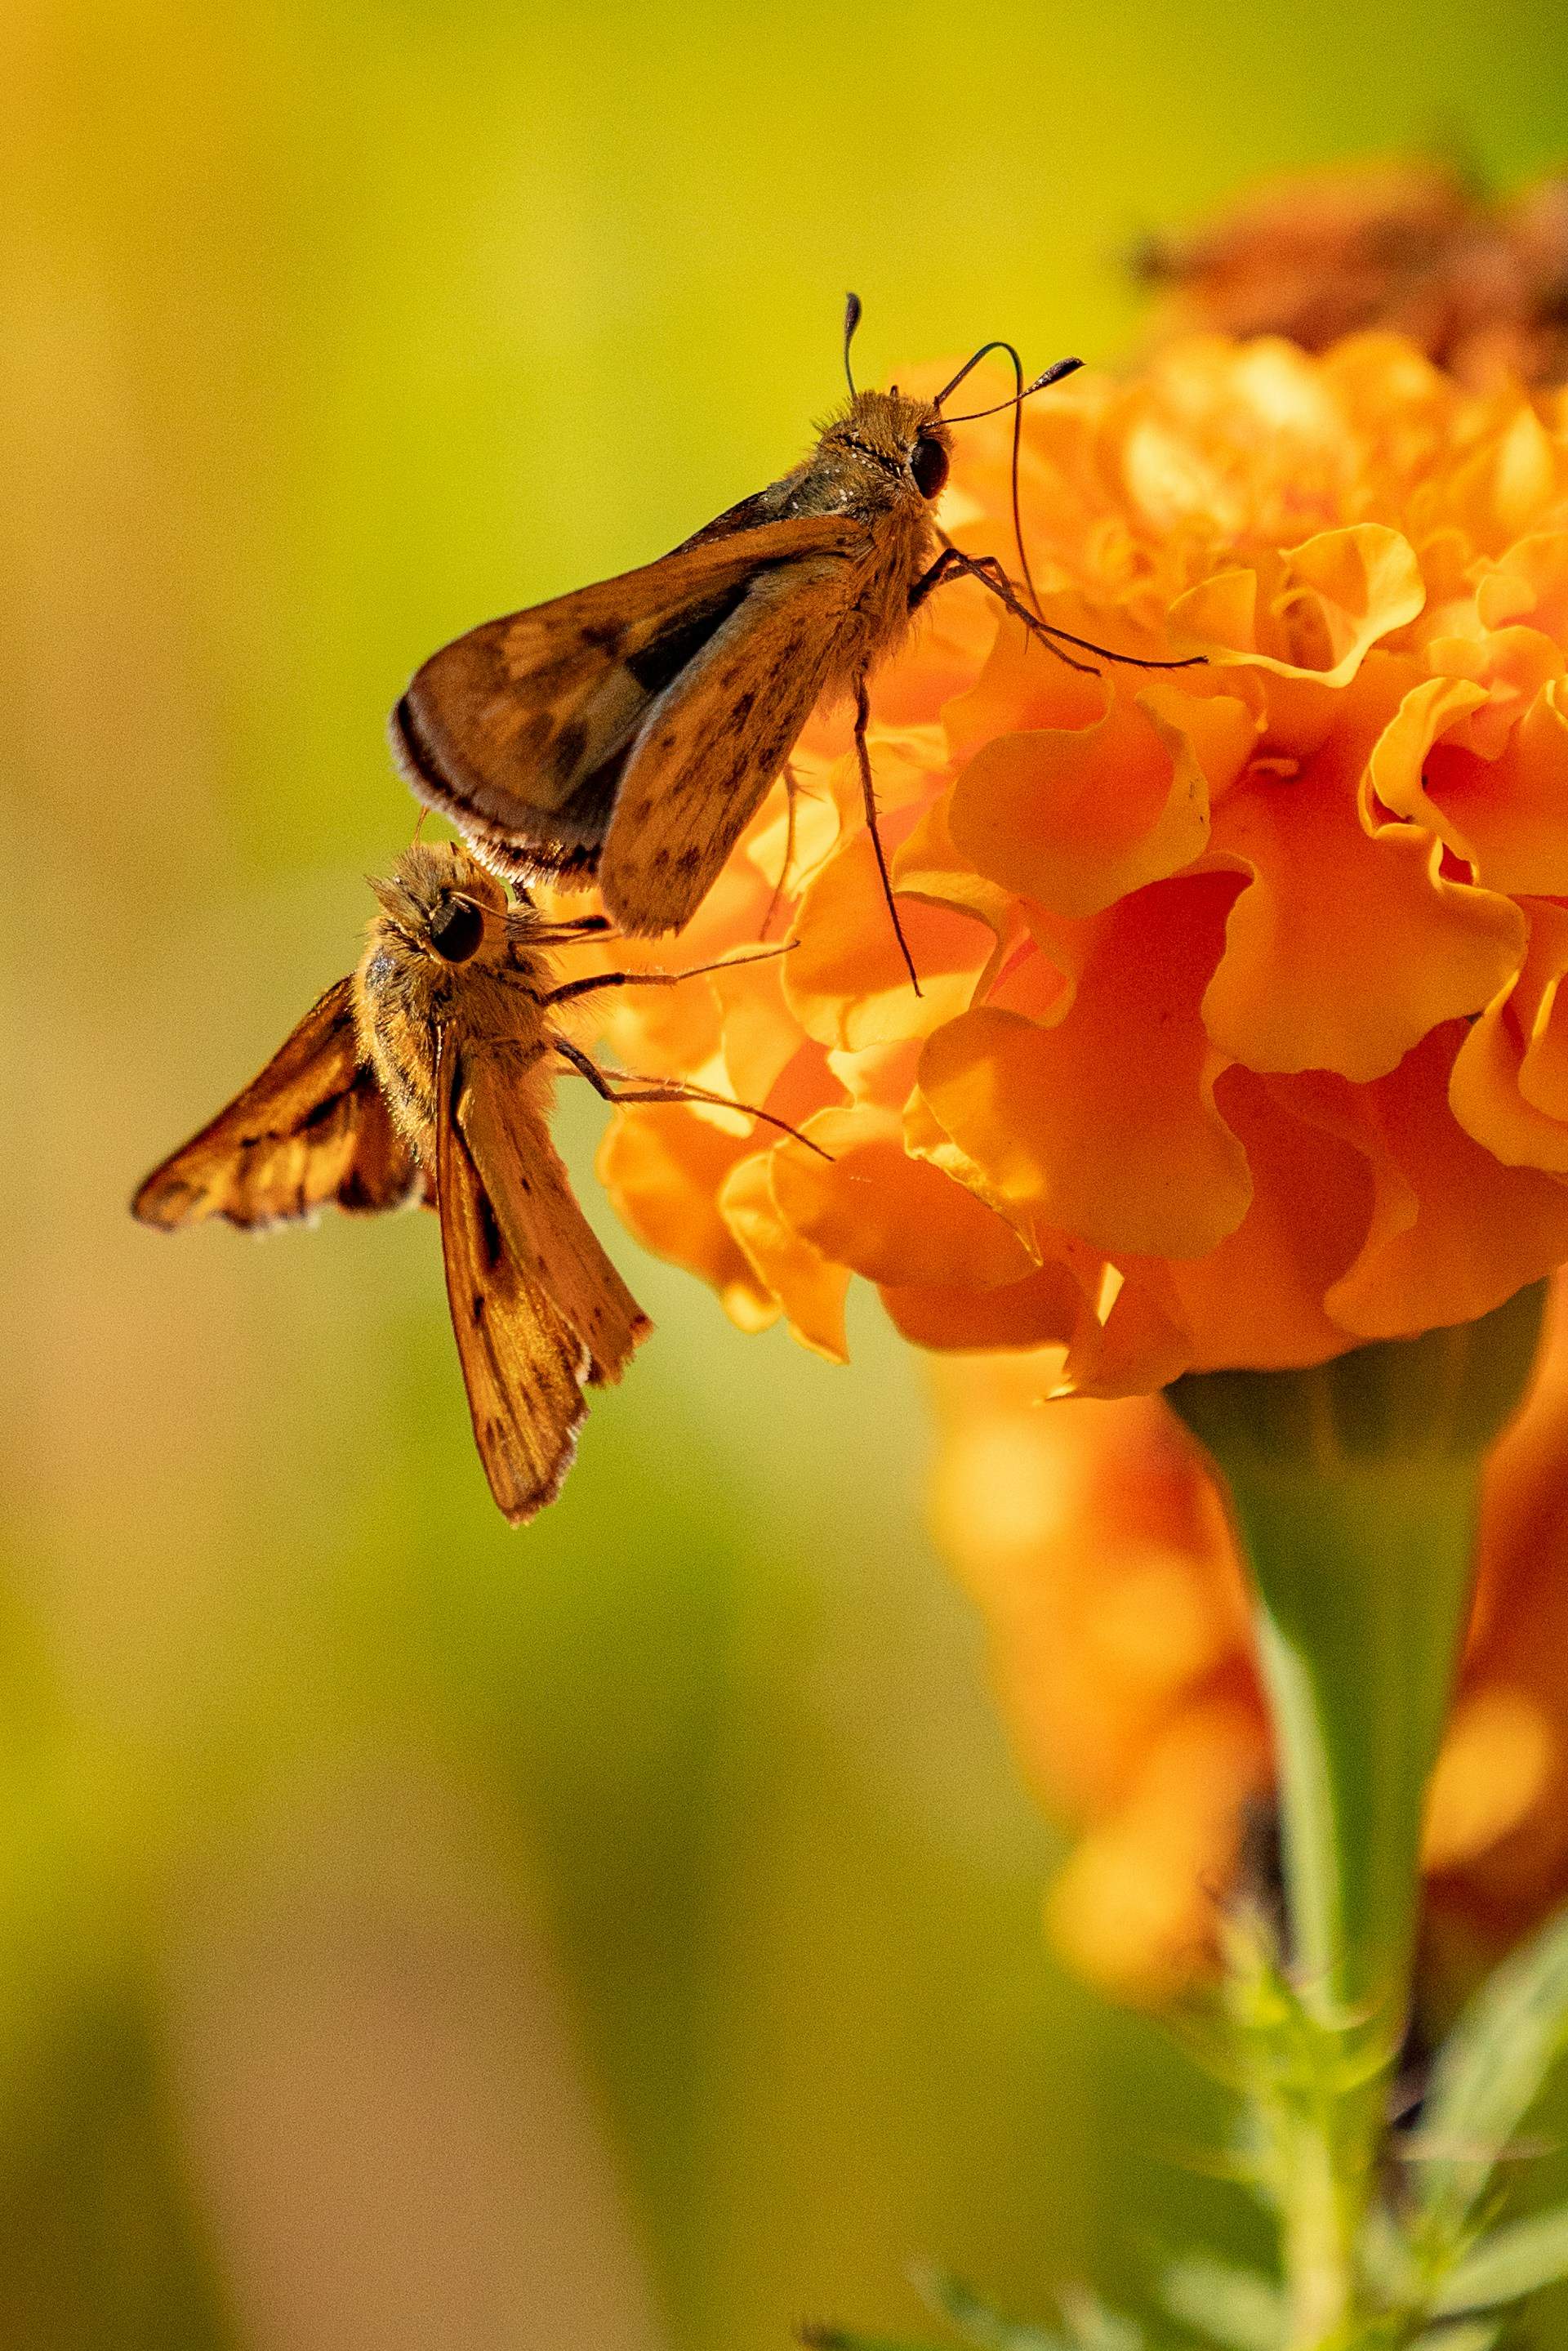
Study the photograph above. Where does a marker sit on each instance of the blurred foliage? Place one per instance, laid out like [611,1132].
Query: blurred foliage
[333,1817]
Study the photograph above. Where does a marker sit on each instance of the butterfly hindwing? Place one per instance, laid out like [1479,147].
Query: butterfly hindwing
[312,1128]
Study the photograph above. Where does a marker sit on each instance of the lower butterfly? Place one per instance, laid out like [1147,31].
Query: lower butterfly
[428,1072]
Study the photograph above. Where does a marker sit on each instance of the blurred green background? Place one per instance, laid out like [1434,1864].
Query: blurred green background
[413,1933]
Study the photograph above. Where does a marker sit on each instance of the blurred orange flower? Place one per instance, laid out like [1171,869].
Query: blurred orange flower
[1240,1040]
[1094,1540]
[1479,283]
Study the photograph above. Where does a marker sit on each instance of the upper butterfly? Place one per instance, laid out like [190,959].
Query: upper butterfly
[633,728]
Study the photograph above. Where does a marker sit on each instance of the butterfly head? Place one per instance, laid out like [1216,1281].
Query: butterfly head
[444,905]
[912,439]
[893,437]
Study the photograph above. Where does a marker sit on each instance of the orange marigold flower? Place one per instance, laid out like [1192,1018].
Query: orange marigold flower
[1095,1544]
[1240,1040]
[1478,282]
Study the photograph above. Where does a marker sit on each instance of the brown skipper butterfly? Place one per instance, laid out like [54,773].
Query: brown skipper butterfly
[633,728]
[427,1072]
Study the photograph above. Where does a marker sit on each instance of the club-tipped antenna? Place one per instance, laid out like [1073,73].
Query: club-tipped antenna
[851,321]
[1053,374]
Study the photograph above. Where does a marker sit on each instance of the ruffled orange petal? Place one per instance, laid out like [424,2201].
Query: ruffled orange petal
[895,1219]
[1453,1232]
[1020,689]
[1136,1340]
[1509,1084]
[846,981]
[1287,995]
[1044,1310]
[1396,766]
[809,1287]
[664,1169]
[1529,582]
[806,839]
[1333,597]
[1105,1125]
[1509,815]
[1185,938]
[1258,1298]
[1500,492]
[1076,819]
[1513,665]
[929,866]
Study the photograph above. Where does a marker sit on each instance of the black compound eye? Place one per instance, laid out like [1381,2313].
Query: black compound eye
[456,928]
[929,465]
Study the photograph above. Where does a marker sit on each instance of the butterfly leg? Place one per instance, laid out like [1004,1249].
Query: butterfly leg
[596,979]
[621,1087]
[868,792]
[953,563]
[791,789]
[567,932]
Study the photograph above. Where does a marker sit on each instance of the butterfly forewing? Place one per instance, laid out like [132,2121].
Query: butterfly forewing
[711,748]
[312,1128]
[545,1232]
[523,1359]
[522,731]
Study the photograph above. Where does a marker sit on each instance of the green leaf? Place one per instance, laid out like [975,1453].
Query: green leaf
[1470,2335]
[975,2319]
[1238,2308]
[1094,2327]
[1388,2263]
[1487,2076]
[1507,2264]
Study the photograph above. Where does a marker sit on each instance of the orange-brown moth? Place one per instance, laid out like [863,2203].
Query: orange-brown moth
[428,1071]
[632,729]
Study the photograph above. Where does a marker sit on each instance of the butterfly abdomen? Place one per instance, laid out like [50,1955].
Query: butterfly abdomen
[396,1015]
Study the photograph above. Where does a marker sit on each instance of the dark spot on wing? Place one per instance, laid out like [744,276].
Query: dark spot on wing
[489,1232]
[534,741]
[355,1193]
[581,822]
[567,750]
[659,663]
[319,1112]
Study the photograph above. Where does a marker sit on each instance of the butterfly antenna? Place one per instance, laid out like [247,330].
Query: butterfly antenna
[1016,405]
[972,361]
[1017,508]
[851,321]
[1053,374]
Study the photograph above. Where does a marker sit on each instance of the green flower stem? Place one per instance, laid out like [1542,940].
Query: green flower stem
[1356,1487]
[1363,1576]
